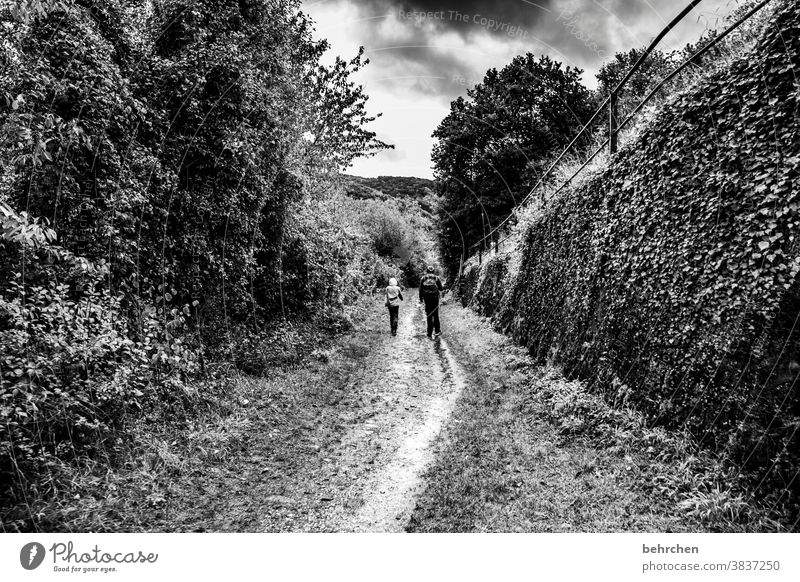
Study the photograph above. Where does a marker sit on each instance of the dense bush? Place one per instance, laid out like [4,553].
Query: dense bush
[160,150]
[468,282]
[173,151]
[401,233]
[671,277]
[68,374]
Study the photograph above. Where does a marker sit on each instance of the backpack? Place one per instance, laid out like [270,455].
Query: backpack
[428,285]
[392,296]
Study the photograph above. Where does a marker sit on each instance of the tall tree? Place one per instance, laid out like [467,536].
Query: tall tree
[169,138]
[493,145]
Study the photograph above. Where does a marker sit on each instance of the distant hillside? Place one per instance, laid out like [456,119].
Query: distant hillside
[388,187]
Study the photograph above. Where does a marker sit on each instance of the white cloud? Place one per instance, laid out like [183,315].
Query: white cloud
[418,66]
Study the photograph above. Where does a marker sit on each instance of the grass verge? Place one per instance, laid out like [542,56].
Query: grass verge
[528,450]
[193,465]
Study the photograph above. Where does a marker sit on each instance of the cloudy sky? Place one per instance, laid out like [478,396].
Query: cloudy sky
[425,53]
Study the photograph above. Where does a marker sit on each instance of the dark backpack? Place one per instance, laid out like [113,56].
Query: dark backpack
[428,285]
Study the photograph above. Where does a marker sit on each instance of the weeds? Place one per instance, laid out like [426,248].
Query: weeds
[701,485]
[552,456]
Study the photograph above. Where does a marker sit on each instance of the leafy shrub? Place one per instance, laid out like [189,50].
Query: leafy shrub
[174,351]
[337,247]
[19,228]
[326,261]
[385,227]
[68,374]
[470,277]
[697,482]
[73,371]
[400,231]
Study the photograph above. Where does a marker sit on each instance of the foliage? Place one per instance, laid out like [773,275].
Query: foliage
[64,124]
[486,284]
[658,65]
[158,164]
[400,231]
[673,274]
[653,69]
[335,247]
[493,146]
[68,374]
[165,136]
[337,118]
[240,164]
[19,228]
[384,187]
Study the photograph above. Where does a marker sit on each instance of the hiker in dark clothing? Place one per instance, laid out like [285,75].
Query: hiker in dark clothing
[393,298]
[429,288]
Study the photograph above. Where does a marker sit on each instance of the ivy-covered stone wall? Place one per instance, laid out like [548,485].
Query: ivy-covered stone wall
[488,287]
[671,279]
[468,283]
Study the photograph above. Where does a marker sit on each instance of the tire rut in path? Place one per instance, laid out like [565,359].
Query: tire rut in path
[428,369]
[370,478]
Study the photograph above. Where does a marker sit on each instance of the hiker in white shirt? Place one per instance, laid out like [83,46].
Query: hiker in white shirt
[393,298]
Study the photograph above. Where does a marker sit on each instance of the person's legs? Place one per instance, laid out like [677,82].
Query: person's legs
[430,313]
[436,326]
[393,312]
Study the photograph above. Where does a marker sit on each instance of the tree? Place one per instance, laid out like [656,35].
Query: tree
[337,116]
[495,144]
[653,69]
[170,139]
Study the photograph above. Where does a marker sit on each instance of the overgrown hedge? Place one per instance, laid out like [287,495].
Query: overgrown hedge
[671,278]
[165,212]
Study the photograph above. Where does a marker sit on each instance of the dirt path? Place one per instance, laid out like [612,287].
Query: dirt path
[425,372]
[337,444]
[527,450]
[390,434]
[370,479]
